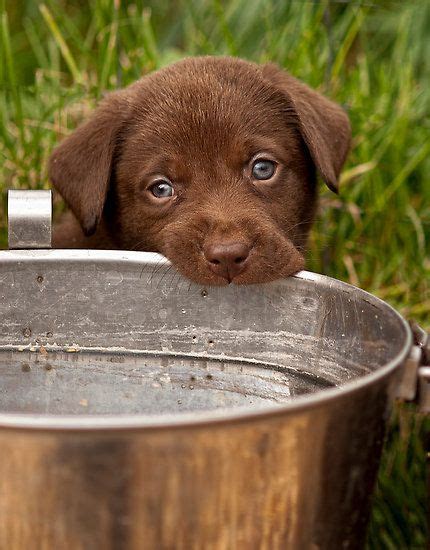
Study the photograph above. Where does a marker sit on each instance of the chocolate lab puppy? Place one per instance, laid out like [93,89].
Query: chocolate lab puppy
[212,162]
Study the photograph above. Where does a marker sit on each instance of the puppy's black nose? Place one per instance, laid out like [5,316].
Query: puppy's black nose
[227,259]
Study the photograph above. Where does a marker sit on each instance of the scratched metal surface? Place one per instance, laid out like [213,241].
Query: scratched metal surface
[70,318]
[105,445]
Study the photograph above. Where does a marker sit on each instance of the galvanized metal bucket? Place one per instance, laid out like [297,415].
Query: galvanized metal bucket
[138,410]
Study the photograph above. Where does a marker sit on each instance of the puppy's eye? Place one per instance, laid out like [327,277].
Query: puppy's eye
[162,189]
[263,169]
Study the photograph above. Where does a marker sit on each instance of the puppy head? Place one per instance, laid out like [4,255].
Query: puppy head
[212,163]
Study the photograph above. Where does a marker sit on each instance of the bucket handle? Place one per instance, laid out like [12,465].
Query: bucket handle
[415,379]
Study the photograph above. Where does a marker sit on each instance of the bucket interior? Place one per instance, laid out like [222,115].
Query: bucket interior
[113,333]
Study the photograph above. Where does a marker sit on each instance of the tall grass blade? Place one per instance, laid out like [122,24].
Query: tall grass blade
[10,75]
[65,51]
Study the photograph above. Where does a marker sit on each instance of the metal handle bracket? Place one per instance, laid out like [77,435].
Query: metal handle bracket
[29,219]
[415,382]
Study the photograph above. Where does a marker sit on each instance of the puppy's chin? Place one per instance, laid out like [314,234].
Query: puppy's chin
[266,274]
[258,270]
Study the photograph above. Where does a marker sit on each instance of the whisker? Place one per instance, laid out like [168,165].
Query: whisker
[164,275]
[175,274]
[156,269]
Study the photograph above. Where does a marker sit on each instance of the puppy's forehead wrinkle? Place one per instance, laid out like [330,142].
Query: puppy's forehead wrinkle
[204,138]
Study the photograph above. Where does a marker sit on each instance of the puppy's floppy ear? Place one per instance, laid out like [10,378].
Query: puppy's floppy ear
[324,125]
[80,167]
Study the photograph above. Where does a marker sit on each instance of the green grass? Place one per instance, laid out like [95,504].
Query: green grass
[373,56]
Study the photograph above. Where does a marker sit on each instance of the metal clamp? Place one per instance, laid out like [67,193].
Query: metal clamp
[415,382]
[29,219]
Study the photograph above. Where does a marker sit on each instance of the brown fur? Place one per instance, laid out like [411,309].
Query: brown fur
[199,122]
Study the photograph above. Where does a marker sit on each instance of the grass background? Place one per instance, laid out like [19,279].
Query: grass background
[57,58]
